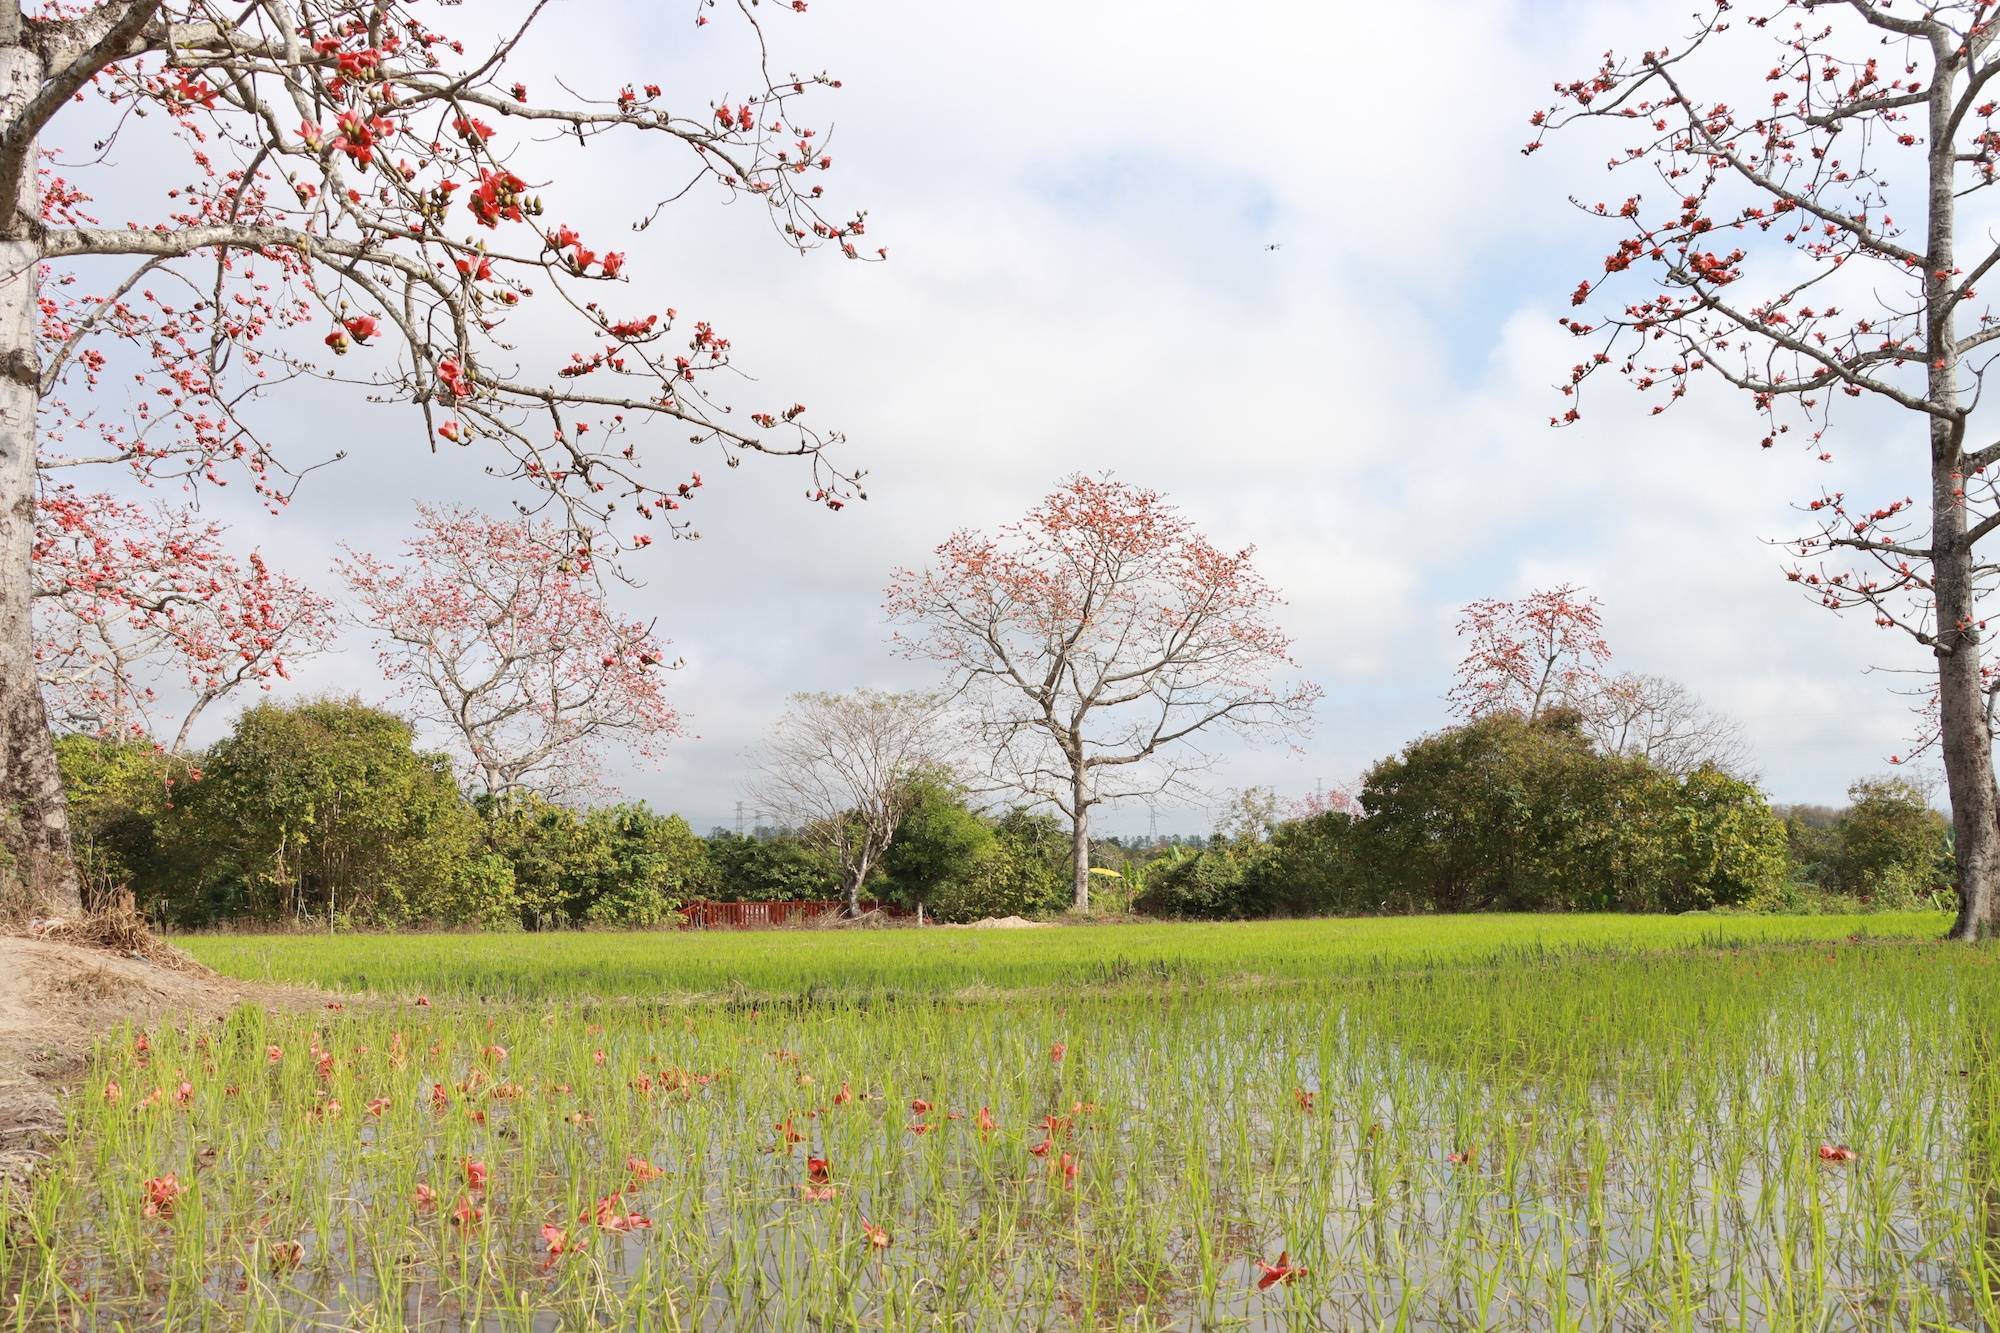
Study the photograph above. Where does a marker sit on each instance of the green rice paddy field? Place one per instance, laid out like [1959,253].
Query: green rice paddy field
[1492,1122]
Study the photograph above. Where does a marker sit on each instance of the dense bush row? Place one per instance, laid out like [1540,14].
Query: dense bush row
[329,809]
[1504,814]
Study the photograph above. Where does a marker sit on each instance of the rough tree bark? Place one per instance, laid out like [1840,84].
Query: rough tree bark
[1963,734]
[39,872]
[1080,837]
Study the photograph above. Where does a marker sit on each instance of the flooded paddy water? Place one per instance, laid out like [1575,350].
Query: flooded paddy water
[1776,1137]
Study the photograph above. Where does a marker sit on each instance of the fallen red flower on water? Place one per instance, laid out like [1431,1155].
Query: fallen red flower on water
[466,1213]
[642,1170]
[423,1001]
[287,1254]
[555,1238]
[845,1095]
[1070,1168]
[1836,1152]
[1304,1099]
[161,1191]
[1041,1149]
[1282,1271]
[818,1169]
[877,1237]
[1057,1052]
[608,1216]
[986,1121]
[377,1105]
[920,1106]
[273,1054]
[426,1198]
[1461,1158]
[475,1175]
[818,1193]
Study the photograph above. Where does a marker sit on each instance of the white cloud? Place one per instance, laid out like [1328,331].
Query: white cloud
[1077,201]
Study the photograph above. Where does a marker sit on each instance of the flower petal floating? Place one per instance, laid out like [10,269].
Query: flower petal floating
[1836,1152]
[161,1191]
[1282,1271]
[877,1236]
[610,1216]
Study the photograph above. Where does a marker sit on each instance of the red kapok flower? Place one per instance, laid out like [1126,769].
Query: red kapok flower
[161,1191]
[1282,1271]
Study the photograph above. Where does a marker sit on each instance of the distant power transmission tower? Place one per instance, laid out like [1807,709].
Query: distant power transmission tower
[739,819]
[1153,824]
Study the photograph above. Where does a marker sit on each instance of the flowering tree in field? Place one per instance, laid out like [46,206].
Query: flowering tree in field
[131,601]
[1096,640]
[1816,240]
[504,645]
[363,199]
[1545,650]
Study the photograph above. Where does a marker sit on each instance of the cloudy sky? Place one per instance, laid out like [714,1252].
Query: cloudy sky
[1080,204]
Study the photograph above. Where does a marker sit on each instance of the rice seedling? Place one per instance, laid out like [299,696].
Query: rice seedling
[1780,1133]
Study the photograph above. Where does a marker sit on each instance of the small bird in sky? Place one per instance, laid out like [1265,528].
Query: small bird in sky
[1275,245]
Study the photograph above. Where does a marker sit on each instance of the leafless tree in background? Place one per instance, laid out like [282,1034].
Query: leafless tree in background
[1663,722]
[840,768]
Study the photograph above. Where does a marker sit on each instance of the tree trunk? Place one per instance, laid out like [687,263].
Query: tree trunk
[854,883]
[1968,748]
[1962,730]
[1080,846]
[36,870]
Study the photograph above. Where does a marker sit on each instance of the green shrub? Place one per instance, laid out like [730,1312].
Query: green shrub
[1207,886]
[938,842]
[1889,844]
[1009,879]
[317,809]
[744,869]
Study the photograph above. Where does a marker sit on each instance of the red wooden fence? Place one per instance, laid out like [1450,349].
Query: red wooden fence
[757,916]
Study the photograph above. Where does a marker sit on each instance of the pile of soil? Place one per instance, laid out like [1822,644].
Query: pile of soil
[1009,923]
[58,997]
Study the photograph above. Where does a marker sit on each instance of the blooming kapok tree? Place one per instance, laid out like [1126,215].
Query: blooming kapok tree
[505,647]
[1798,239]
[1545,650]
[132,601]
[367,200]
[1096,640]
